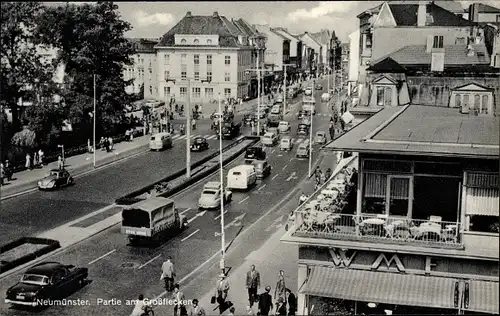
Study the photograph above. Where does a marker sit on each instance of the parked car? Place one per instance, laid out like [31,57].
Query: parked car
[262,168]
[286,143]
[269,139]
[320,138]
[46,281]
[211,195]
[303,150]
[56,179]
[200,144]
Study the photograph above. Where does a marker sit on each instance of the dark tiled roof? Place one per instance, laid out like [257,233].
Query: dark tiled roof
[484,8]
[143,45]
[205,25]
[279,34]
[387,65]
[406,15]
[453,55]
[286,34]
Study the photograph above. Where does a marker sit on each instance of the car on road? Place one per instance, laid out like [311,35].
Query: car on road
[320,138]
[303,129]
[241,177]
[254,153]
[160,141]
[55,179]
[325,97]
[230,130]
[211,196]
[286,143]
[302,114]
[200,144]
[269,139]
[46,281]
[319,86]
[284,127]
[262,169]
[279,99]
[303,150]
[308,91]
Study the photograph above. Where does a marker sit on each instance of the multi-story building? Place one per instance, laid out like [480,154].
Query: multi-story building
[295,47]
[211,54]
[312,54]
[479,12]
[277,48]
[414,229]
[143,71]
[323,37]
[354,55]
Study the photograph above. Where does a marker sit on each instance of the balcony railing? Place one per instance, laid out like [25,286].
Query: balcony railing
[373,228]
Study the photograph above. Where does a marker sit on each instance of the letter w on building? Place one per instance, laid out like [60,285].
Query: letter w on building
[339,257]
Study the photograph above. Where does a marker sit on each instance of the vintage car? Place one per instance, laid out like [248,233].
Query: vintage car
[320,138]
[211,195]
[303,129]
[319,86]
[302,114]
[56,179]
[200,144]
[229,130]
[46,281]
[284,127]
[262,168]
[303,150]
[261,113]
[286,143]
[254,153]
[248,119]
[270,139]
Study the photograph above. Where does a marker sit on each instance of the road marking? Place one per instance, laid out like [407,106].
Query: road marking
[291,159]
[262,187]
[218,216]
[101,257]
[272,152]
[185,211]
[236,221]
[244,200]
[196,216]
[148,262]
[284,167]
[190,235]
[211,137]
[275,176]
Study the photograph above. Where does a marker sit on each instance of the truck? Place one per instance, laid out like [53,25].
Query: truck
[230,130]
[151,220]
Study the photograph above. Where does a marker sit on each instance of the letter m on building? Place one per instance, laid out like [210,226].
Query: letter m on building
[383,263]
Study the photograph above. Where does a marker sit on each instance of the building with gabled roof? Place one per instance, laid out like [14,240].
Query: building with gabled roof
[143,72]
[213,52]
[312,54]
[296,47]
[480,12]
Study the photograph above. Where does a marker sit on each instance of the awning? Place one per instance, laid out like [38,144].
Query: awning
[381,287]
[482,201]
[483,297]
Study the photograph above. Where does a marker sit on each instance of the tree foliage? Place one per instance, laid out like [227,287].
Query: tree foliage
[91,41]
[23,68]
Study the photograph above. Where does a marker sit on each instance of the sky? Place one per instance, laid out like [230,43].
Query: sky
[153,19]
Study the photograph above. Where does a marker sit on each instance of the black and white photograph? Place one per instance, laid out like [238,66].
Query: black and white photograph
[250,158]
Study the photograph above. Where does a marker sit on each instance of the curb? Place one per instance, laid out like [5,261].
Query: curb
[81,170]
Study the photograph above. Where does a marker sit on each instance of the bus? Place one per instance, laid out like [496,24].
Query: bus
[309,104]
[151,220]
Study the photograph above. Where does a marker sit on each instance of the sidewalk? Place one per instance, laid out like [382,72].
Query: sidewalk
[27,179]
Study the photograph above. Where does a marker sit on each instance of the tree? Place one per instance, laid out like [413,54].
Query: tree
[46,121]
[91,41]
[21,64]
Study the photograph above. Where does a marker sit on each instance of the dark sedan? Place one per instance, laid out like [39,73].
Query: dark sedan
[46,281]
[55,179]
[199,144]
[303,129]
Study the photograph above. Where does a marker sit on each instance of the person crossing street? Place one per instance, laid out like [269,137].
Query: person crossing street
[168,274]
[252,284]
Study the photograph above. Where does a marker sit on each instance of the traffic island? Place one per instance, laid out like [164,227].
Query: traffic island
[23,250]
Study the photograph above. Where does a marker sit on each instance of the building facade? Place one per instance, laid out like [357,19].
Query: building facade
[312,54]
[143,73]
[295,47]
[211,55]
[353,61]
[413,228]
[277,48]
[324,38]
[479,12]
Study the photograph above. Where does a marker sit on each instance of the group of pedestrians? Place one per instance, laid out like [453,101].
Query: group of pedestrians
[321,177]
[35,160]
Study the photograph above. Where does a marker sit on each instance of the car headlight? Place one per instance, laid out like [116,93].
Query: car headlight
[39,183]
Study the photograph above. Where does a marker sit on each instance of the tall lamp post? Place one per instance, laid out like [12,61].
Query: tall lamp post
[221,170]
[284,87]
[258,70]
[94,115]
[310,133]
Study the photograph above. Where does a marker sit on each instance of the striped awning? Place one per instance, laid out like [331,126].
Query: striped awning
[482,201]
[381,287]
[484,297]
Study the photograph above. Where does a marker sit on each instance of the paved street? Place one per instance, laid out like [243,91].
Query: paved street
[123,271]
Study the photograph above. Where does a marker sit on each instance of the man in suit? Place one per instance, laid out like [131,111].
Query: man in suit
[292,302]
[168,274]
[179,301]
[196,310]
[252,284]
[222,290]
[265,302]
[280,307]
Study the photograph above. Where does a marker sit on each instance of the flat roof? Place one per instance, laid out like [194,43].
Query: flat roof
[423,130]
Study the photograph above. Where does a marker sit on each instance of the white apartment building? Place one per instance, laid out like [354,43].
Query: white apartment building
[209,55]
[143,71]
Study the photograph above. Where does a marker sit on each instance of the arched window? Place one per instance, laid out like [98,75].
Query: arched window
[183,41]
[209,41]
[196,41]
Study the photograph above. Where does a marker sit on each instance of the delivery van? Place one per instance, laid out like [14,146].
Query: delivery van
[242,177]
[160,141]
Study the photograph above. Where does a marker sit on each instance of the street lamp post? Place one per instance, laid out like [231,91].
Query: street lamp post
[94,125]
[258,70]
[310,134]
[221,170]
[62,152]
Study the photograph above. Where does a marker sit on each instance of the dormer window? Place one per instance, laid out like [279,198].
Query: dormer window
[196,41]
[183,41]
[209,41]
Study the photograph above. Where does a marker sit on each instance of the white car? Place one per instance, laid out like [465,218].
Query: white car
[284,127]
[308,91]
[320,138]
[269,139]
[211,195]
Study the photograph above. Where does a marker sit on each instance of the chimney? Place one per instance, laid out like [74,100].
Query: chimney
[421,13]
[188,14]
[474,12]
[216,14]
[437,60]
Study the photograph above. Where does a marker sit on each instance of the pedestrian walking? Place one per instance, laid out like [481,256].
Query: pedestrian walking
[168,274]
[193,124]
[141,307]
[292,302]
[279,291]
[222,290]
[280,307]
[28,161]
[179,300]
[8,172]
[60,163]
[35,159]
[252,284]
[110,141]
[195,309]
[265,302]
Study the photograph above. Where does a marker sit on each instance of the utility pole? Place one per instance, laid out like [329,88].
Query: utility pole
[94,125]
[188,131]
[221,171]
[258,91]
[310,133]
[284,89]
